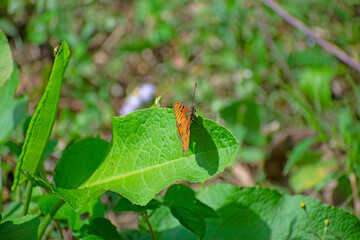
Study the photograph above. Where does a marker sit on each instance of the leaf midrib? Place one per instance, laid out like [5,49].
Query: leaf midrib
[145,169]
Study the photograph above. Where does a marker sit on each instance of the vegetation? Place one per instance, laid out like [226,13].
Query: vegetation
[89,146]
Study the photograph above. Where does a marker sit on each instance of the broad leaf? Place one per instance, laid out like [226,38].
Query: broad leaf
[24,228]
[6,62]
[12,110]
[146,156]
[38,133]
[259,213]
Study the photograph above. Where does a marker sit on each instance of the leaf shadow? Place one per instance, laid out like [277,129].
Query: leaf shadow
[237,222]
[70,172]
[203,146]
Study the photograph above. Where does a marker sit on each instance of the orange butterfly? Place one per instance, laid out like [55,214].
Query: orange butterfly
[184,116]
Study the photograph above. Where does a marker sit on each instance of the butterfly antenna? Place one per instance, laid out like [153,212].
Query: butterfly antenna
[194,94]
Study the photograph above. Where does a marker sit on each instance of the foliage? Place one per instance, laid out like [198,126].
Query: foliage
[292,105]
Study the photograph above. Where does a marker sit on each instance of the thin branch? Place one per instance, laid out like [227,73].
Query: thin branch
[271,45]
[47,220]
[28,198]
[327,46]
[146,218]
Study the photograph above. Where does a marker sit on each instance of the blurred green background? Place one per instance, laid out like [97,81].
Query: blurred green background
[293,106]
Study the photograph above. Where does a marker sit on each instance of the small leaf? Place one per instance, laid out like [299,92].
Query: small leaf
[190,220]
[316,84]
[24,228]
[190,212]
[6,61]
[38,133]
[145,156]
[300,181]
[297,153]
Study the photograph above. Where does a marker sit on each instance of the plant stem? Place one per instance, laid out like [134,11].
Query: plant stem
[327,46]
[60,229]
[354,190]
[28,198]
[311,226]
[48,218]
[146,217]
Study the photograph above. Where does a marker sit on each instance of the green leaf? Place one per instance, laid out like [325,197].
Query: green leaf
[190,212]
[300,180]
[190,220]
[24,228]
[316,84]
[146,156]
[135,234]
[15,210]
[79,161]
[162,220]
[76,220]
[100,228]
[248,114]
[14,147]
[250,154]
[12,110]
[297,153]
[259,213]
[125,205]
[6,61]
[38,133]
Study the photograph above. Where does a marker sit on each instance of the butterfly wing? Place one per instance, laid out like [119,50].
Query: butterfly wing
[185,138]
[183,119]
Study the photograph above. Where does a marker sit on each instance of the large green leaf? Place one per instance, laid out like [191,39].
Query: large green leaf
[12,110]
[38,133]
[6,62]
[146,156]
[24,228]
[259,213]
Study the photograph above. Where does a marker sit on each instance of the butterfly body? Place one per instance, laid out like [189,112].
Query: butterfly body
[184,116]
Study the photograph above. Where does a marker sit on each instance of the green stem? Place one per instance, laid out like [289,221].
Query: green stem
[28,198]
[323,238]
[17,195]
[311,226]
[146,217]
[43,226]
[60,229]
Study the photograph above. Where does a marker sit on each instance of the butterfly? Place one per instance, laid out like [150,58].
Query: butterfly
[183,117]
